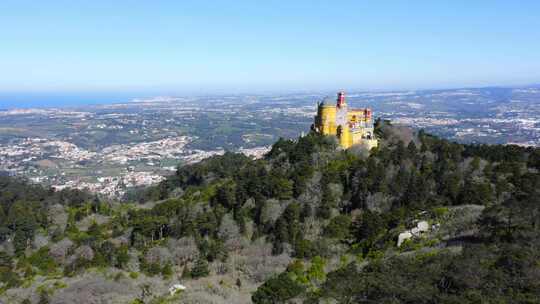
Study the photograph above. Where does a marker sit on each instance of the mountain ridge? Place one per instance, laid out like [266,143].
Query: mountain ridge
[307,223]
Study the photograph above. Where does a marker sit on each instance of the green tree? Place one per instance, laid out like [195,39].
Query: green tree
[339,227]
[200,269]
[343,284]
[368,228]
[278,289]
[225,196]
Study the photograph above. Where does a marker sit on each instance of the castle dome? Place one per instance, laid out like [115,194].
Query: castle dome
[328,102]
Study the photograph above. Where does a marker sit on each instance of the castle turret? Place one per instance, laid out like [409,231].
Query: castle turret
[341,100]
[326,117]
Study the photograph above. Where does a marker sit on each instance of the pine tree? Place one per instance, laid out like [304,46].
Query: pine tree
[200,269]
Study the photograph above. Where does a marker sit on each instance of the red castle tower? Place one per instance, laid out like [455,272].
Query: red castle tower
[340,99]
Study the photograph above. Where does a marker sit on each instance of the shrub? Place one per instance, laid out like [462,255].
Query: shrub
[316,270]
[200,269]
[119,276]
[43,261]
[440,211]
[278,289]
[9,278]
[167,271]
[304,249]
[122,257]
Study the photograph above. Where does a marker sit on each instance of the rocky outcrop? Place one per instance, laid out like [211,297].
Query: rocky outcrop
[421,227]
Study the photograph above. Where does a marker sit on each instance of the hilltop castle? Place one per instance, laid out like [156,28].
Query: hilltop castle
[351,126]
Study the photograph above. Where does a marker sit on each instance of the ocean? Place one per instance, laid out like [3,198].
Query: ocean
[62,100]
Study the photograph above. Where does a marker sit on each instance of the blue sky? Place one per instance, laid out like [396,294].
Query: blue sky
[170,47]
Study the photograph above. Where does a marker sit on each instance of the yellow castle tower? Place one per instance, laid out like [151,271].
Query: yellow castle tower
[326,117]
[351,126]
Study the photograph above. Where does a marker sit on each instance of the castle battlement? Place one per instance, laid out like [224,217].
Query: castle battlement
[350,126]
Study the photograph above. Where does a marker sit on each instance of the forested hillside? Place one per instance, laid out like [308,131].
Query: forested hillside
[308,223]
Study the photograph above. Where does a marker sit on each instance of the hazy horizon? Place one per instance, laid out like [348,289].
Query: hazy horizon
[26,100]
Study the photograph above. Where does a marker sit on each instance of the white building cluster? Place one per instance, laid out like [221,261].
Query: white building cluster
[155,150]
[115,168]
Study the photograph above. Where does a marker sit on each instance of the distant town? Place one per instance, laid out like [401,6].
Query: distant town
[116,168]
